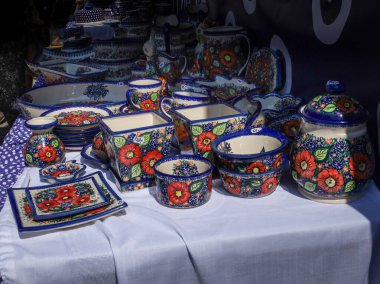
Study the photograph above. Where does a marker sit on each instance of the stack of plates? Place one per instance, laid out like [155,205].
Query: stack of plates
[77,126]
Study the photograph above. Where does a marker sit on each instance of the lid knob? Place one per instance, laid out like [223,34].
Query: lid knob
[88,6]
[335,87]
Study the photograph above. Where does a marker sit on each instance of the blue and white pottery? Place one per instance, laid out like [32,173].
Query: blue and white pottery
[138,69]
[89,15]
[181,99]
[117,71]
[254,150]
[36,101]
[89,156]
[332,158]
[71,72]
[255,117]
[98,147]
[145,93]
[43,147]
[225,89]
[74,56]
[134,142]
[117,49]
[66,171]
[183,181]
[188,85]
[252,185]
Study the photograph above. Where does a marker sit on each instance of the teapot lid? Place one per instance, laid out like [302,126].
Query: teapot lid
[334,107]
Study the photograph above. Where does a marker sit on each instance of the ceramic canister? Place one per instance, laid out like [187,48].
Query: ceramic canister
[332,158]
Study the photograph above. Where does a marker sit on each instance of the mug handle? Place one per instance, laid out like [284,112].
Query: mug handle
[246,38]
[129,98]
[169,102]
[184,61]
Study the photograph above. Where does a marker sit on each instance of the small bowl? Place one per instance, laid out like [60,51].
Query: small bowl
[251,185]
[183,181]
[62,172]
[255,150]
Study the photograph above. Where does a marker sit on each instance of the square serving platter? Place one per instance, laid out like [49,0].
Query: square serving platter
[65,199]
[26,223]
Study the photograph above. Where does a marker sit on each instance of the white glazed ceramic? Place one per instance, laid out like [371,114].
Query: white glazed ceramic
[145,93]
[39,100]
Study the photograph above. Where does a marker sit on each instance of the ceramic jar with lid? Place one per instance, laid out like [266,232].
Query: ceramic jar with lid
[332,158]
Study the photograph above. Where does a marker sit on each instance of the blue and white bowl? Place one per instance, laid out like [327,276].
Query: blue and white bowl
[61,172]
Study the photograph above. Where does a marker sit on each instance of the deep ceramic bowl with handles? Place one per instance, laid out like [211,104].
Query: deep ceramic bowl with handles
[254,150]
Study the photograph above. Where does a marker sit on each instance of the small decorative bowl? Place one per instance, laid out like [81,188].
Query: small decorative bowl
[183,181]
[256,151]
[62,172]
[251,185]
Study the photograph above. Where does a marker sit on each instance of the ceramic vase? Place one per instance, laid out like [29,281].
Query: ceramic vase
[44,147]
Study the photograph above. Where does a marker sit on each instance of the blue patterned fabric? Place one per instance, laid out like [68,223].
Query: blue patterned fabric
[11,157]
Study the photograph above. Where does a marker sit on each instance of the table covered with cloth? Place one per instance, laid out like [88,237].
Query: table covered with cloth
[281,238]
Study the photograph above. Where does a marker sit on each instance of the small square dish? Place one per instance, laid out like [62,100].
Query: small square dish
[24,217]
[65,199]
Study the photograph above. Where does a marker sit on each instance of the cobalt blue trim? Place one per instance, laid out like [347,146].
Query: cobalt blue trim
[196,97]
[21,228]
[154,85]
[250,132]
[40,126]
[253,115]
[104,126]
[183,157]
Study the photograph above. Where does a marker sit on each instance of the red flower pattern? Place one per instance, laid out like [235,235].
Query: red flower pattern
[360,166]
[149,160]
[60,173]
[178,192]
[79,200]
[147,105]
[269,185]
[130,154]
[330,180]
[232,185]
[277,162]
[227,58]
[215,71]
[207,58]
[68,197]
[77,118]
[205,140]
[256,167]
[305,164]
[346,105]
[291,127]
[64,190]
[209,185]
[47,154]
[47,204]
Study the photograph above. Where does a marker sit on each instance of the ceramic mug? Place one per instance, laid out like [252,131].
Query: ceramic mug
[145,93]
[181,99]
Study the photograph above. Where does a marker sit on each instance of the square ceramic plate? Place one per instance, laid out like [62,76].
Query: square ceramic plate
[24,218]
[64,199]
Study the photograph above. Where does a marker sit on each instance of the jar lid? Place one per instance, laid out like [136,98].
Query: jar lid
[334,107]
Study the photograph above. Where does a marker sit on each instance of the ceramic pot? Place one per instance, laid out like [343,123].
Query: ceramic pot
[254,150]
[145,94]
[252,185]
[134,142]
[198,126]
[332,158]
[43,147]
[223,51]
[183,181]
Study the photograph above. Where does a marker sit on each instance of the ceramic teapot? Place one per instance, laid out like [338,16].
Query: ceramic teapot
[223,52]
[332,158]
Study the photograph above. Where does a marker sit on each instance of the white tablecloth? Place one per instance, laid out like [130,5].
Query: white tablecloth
[282,238]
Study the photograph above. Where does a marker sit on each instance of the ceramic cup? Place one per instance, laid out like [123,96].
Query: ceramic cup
[181,99]
[145,93]
[183,181]
[198,126]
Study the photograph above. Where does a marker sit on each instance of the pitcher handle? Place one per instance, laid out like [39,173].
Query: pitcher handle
[169,102]
[129,98]
[184,60]
[246,38]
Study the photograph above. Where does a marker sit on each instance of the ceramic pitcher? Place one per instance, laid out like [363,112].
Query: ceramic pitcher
[223,52]
[332,158]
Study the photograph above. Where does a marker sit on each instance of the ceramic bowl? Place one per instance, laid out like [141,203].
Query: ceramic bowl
[48,54]
[252,185]
[36,101]
[61,172]
[256,150]
[225,89]
[116,50]
[183,181]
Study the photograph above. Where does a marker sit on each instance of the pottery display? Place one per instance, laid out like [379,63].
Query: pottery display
[117,49]
[71,72]
[255,117]
[254,150]
[145,93]
[36,101]
[43,147]
[183,181]
[67,171]
[198,126]
[252,185]
[225,89]
[223,52]
[88,15]
[332,158]
[134,142]
[265,69]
